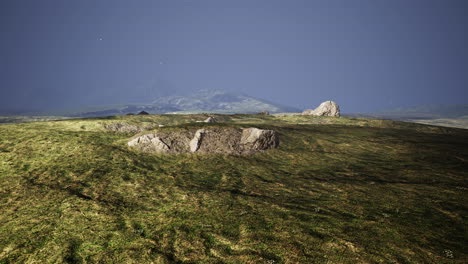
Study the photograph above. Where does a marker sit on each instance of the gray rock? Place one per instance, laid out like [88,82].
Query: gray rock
[196,141]
[150,143]
[216,140]
[158,145]
[327,108]
[259,139]
[210,120]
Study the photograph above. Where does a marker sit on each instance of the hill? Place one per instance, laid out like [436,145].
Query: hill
[202,101]
[336,190]
[220,101]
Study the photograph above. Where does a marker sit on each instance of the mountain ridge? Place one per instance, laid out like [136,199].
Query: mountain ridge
[201,101]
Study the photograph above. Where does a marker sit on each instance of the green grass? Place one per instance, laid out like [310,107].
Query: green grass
[337,190]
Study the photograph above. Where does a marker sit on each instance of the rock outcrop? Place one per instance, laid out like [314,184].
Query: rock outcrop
[235,141]
[327,108]
[143,113]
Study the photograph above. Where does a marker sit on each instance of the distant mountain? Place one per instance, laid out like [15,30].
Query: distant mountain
[202,101]
[432,111]
[219,101]
[455,115]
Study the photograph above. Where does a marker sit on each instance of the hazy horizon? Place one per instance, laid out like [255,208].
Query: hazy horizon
[365,55]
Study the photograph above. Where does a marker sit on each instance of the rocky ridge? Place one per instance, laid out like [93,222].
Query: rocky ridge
[208,141]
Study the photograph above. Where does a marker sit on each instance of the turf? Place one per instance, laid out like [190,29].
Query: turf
[337,190]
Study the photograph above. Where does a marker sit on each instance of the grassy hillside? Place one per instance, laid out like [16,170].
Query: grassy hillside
[337,190]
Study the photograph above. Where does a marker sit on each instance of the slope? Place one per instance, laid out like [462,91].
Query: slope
[337,190]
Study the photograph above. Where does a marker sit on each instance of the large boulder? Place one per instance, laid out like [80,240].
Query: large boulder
[327,108]
[210,120]
[149,143]
[259,139]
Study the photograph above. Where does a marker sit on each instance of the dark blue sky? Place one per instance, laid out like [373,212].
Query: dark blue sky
[364,54]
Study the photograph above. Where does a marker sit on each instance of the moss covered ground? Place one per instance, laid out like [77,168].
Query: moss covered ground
[337,190]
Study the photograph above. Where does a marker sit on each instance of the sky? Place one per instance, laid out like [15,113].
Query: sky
[366,55]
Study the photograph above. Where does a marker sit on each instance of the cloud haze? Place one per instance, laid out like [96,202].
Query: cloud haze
[364,54]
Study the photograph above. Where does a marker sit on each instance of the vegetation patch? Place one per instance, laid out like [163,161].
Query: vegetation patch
[336,190]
